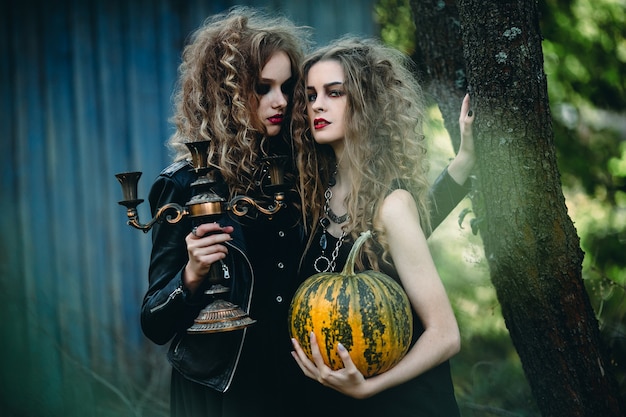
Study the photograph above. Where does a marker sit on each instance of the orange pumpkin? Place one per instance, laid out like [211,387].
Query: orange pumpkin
[368,313]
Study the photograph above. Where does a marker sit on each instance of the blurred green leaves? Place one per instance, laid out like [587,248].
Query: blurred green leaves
[396,24]
[585,51]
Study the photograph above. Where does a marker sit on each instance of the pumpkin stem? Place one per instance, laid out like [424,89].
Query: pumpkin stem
[348,268]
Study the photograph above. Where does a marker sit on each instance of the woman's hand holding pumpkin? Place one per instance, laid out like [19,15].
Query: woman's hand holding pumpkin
[204,248]
[348,380]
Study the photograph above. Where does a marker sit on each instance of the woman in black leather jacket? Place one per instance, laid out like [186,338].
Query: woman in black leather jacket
[236,87]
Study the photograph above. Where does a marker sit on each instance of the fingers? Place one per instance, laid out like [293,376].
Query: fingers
[347,380]
[205,247]
[315,351]
[206,229]
[467,114]
[303,361]
[315,369]
[207,235]
[466,149]
[345,358]
[207,255]
[324,375]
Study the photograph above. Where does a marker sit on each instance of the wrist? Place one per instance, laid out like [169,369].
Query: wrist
[191,281]
[461,167]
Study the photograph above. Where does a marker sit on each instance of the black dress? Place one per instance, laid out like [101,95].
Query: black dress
[428,395]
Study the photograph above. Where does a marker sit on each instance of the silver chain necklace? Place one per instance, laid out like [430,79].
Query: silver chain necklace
[323,263]
[328,194]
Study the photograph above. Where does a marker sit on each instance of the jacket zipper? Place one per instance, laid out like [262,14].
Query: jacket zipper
[178,290]
[225,270]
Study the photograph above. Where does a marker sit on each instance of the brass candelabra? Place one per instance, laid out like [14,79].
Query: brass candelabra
[205,205]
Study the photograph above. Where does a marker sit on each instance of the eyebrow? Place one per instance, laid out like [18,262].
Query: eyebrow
[328,84]
[272,80]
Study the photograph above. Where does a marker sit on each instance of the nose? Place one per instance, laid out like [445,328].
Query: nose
[318,104]
[279,99]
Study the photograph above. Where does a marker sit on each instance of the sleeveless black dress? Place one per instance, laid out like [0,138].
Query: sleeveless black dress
[428,395]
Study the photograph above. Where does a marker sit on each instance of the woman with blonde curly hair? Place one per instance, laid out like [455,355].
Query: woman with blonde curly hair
[236,87]
[365,110]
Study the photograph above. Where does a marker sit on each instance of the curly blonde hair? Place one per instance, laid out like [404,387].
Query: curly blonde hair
[216,97]
[384,141]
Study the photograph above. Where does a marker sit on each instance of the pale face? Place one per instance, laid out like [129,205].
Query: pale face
[274,89]
[326,103]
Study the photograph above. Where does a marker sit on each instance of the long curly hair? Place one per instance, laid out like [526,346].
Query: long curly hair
[216,97]
[384,141]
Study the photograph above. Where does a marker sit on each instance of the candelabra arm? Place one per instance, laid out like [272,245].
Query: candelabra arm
[172,213]
[239,205]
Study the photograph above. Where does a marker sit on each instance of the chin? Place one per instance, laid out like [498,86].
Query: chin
[272,130]
[324,140]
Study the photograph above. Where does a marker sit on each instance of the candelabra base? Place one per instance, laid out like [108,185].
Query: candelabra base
[220,316]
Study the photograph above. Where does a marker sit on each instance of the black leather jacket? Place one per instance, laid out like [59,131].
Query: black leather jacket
[168,309]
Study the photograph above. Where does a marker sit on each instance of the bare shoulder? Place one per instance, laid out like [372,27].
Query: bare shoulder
[398,202]
[399,212]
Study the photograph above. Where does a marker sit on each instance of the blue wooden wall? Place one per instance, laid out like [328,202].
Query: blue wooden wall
[85,91]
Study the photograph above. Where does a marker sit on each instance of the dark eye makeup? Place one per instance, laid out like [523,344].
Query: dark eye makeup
[288,87]
[262,89]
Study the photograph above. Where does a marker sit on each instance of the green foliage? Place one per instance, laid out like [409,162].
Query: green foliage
[396,24]
[585,59]
[585,62]
[585,51]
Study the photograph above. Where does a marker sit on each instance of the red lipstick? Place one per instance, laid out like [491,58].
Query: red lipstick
[276,119]
[320,123]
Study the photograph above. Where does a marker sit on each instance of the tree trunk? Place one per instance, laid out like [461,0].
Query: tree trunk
[442,69]
[530,242]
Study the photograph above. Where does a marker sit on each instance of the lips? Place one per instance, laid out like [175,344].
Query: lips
[276,119]
[320,123]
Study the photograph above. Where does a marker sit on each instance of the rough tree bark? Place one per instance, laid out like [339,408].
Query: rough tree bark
[530,242]
[442,68]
